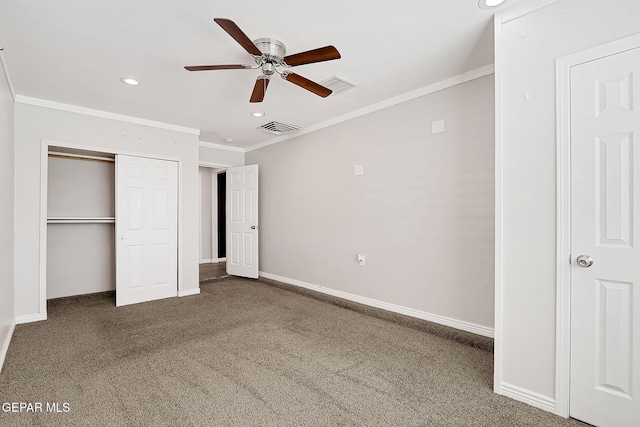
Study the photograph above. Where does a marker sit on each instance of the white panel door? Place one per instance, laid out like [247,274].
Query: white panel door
[605,296]
[242,221]
[146,229]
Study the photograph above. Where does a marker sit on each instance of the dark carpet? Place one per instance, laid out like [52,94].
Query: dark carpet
[249,353]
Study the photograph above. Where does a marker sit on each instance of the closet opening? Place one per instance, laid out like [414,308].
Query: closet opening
[80,251]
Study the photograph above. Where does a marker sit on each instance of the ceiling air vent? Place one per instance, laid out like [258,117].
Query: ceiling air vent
[277,128]
[337,85]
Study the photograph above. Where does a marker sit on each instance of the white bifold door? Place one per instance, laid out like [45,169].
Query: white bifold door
[146,229]
[605,278]
[242,221]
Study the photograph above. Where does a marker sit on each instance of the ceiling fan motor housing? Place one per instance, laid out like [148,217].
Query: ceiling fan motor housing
[271,48]
[272,53]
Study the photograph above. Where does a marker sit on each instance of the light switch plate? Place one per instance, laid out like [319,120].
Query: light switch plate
[359,170]
[437,126]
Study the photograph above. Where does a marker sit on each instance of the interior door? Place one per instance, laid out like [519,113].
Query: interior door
[146,229]
[605,298]
[242,221]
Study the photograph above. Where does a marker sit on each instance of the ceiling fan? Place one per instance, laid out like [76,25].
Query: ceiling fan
[269,55]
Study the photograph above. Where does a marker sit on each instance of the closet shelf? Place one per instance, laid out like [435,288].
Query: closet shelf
[81,220]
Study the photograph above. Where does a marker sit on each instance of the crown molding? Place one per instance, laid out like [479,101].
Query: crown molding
[27,100]
[408,96]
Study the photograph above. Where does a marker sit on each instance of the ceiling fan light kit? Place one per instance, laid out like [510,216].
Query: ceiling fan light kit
[271,57]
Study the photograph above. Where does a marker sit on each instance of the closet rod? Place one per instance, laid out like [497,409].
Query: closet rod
[80,156]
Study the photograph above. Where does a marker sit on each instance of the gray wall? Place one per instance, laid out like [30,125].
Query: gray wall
[529,174]
[6,214]
[219,157]
[422,213]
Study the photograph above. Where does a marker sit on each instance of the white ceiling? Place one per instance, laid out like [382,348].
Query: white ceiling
[76,51]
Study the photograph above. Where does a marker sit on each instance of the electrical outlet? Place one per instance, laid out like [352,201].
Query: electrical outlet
[359,170]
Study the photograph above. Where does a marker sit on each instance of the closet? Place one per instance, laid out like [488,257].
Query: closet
[88,250]
[80,222]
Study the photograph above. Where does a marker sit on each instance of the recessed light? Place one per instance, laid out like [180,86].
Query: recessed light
[257,113]
[129,81]
[488,4]
[228,140]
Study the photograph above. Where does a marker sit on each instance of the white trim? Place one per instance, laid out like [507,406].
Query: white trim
[21,99]
[221,147]
[189,292]
[44,178]
[180,230]
[213,261]
[435,318]
[214,206]
[529,397]
[563,237]
[215,166]
[202,261]
[5,341]
[109,150]
[214,214]
[30,318]
[521,9]
[5,65]
[408,96]
[497,343]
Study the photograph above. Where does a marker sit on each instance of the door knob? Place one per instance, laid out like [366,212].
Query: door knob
[254,227]
[584,261]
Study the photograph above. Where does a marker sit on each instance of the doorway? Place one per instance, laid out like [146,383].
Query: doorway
[212,222]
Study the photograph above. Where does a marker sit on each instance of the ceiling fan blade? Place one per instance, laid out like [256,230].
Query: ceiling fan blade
[259,89]
[326,53]
[217,67]
[307,84]
[234,31]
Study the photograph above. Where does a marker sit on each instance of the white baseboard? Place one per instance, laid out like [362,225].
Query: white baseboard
[435,318]
[29,318]
[212,261]
[189,292]
[529,397]
[5,339]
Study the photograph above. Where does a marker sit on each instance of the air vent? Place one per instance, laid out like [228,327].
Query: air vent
[277,128]
[337,85]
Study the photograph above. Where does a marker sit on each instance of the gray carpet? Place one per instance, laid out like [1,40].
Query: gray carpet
[249,353]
